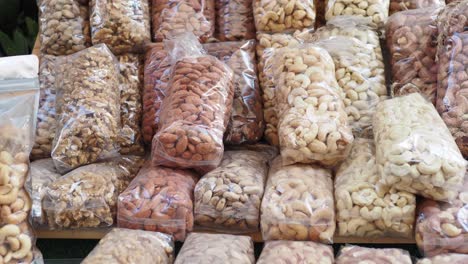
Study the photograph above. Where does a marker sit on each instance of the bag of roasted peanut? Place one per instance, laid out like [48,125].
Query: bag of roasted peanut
[276,252]
[403,5]
[445,258]
[19,98]
[234,20]
[375,10]
[132,246]
[354,254]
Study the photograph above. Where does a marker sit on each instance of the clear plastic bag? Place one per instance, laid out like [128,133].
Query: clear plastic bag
[246,123]
[403,5]
[280,16]
[376,10]
[159,199]
[196,109]
[124,26]
[366,208]
[132,246]
[216,248]
[411,41]
[415,151]
[445,258]
[173,17]
[354,254]
[64,26]
[88,108]
[298,204]
[277,252]
[234,20]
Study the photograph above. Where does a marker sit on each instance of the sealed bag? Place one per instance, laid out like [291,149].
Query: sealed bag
[132,246]
[88,108]
[445,258]
[201,248]
[376,10]
[234,20]
[298,204]
[415,151]
[355,254]
[403,5]
[366,208]
[159,199]
[278,252]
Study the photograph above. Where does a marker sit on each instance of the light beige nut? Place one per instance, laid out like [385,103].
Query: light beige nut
[445,258]
[295,252]
[376,10]
[403,5]
[234,20]
[356,255]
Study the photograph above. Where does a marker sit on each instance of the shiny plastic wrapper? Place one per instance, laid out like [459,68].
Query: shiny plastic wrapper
[445,258]
[278,252]
[376,10]
[234,20]
[354,254]
[403,5]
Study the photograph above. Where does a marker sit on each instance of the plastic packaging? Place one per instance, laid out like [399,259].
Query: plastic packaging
[173,17]
[411,41]
[195,110]
[298,204]
[376,10]
[234,20]
[246,123]
[159,199]
[445,258]
[64,26]
[415,151]
[403,5]
[280,16]
[366,208]
[216,248]
[124,26]
[358,255]
[278,252]
[132,246]
[88,108]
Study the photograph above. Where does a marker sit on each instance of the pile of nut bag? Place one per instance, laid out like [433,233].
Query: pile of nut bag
[277,116]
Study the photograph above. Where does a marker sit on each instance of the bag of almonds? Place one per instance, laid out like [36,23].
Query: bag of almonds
[403,5]
[376,10]
[234,20]
[159,199]
[196,108]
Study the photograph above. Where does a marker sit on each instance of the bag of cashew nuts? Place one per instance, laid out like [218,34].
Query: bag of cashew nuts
[132,246]
[411,41]
[228,198]
[403,5]
[88,108]
[64,26]
[246,124]
[280,16]
[19,98]
[87,197]
[354,254]
[173,17]
[313,125]
[298,204]
[196,108]
[201,248]
[124,26]
[366,208]
[415,152]
[445,258]
[234,20]
[159,199]
[376,10]
[277,252]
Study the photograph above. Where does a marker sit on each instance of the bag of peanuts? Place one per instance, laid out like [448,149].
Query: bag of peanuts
[228,198]
[196,108]
[234,20]
[88,108]
[132,246]
[298,204]
[366,208]
[173,17]
[159,199]
[200,248]
[403,5]
[411,41]
[87,197]
[354,254]
[19,97]
[277,252]
[445,258]
[64,26]
[246,124]
[375,10]
[414,149]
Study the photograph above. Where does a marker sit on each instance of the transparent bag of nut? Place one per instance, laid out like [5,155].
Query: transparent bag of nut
[313,125]
[88,108]
[159,199]
[19,98]
[201,248]
[298,204]
[87,196]
[445,258]
[366,208]
[132,246]
[173,17]
[64,26]
[124,26]
[280,15]
[415,152]
[295,252]
[246,123]
[376,10]
[196,109]
[234,20]
[412,45]
[228,198]
[351,254]
[403,5]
